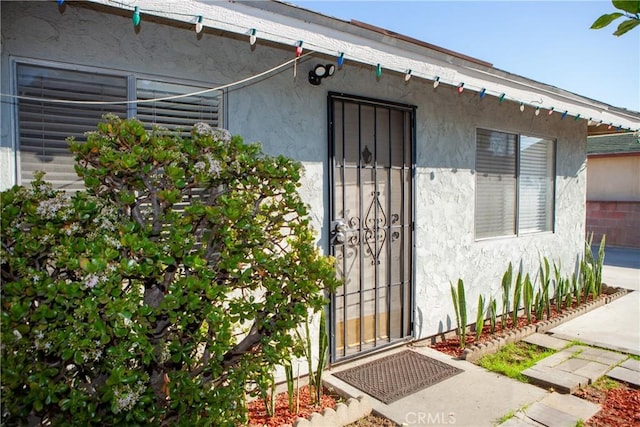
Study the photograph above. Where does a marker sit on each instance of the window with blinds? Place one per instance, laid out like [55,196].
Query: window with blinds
[45,121]
[44,126]
[515,184]
[536,185]
[173,110]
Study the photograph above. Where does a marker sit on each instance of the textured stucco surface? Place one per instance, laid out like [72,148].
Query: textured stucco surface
[289,116]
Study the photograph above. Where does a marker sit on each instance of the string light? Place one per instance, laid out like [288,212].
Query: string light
[136,16]
[199,26]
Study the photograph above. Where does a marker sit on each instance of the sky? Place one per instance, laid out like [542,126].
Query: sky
[547,41]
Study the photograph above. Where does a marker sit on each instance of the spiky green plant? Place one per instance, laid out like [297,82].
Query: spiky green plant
[596,262]
[323,353]
[507,278]
[517,291]
[560,287]
[545,278]
[539,304]
[288,371]
[460,307]
[480,317]
[527,297]
[576,286]
[587,279]
[568,300]
[493,311]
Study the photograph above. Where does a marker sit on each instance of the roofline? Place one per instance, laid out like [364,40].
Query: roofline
[287,25]
[618,154]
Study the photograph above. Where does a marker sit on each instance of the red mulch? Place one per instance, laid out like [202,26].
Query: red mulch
[258,414]
[620,406]
[451,346]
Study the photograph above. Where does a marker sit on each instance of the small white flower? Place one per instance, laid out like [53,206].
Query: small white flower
[17,334]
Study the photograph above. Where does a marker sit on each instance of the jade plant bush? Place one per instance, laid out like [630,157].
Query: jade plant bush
[164,291]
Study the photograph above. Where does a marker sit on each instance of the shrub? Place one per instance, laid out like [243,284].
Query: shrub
[159,294]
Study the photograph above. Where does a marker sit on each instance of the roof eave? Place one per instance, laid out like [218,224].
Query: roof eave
[330,36]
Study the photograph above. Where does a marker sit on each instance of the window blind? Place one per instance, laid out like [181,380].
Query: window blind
[536,185]
[495,184]
[45,126]
[178,114]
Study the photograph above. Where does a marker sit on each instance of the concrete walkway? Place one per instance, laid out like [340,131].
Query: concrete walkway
[615,326]
[477,397]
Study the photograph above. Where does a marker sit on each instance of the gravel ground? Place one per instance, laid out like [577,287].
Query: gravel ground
[373,421]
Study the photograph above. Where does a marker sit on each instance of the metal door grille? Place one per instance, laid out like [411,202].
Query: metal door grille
[372,215]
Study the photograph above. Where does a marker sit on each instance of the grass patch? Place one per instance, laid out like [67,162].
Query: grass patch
[506,417]
[514,358]
[605,384]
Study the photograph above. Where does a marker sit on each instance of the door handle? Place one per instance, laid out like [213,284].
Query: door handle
[338,232]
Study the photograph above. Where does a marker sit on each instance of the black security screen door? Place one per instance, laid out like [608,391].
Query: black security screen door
[371,146]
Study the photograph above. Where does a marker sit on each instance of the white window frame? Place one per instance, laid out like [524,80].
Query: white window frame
[131,81]
[519,194]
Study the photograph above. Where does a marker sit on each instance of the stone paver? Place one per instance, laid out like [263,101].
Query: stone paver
[592,370]
[551,417]
[629,376]
[573,405]
[549,377]
[632,364]
[555,410]
[546,341]
[572,364]
[561,356]
[602,356]
[575,367]
[521,422]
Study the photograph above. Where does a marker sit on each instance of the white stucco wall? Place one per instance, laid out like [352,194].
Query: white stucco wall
[289,116]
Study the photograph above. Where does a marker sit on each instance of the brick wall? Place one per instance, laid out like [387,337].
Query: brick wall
[620,221]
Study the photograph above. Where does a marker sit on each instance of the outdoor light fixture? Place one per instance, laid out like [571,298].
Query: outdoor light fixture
[319,72]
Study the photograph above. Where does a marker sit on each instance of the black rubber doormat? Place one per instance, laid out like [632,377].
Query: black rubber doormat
[398,375]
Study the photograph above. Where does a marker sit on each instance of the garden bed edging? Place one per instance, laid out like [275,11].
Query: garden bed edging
[475,352]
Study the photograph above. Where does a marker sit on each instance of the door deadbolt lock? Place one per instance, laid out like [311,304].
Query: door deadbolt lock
[338,232]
